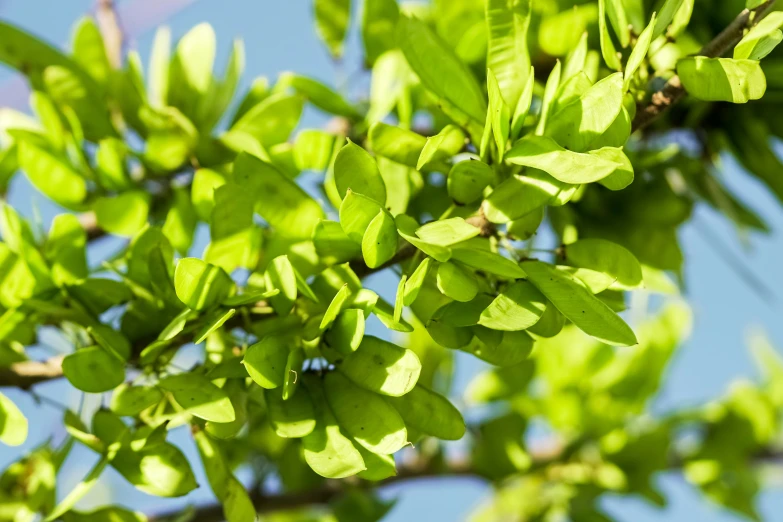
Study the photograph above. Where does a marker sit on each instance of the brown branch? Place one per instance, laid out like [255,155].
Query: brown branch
[28,373]
[673,91]
[424,470]
[323,495]
[108,22]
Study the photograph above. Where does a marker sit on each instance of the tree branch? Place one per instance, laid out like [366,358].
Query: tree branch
[322,495]
[28,373]
[109,25]
[454,469]
[673,91]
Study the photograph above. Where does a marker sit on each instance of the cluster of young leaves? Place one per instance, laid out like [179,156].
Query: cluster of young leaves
[530,109]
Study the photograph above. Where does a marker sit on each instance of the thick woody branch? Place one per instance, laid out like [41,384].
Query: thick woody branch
[673,91]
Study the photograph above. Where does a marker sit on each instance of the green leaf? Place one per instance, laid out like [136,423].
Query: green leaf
[399,296]
[158,76]
[430,413]
[519,195]
[578,124]
[66,248]
[385,313]
[575,302]
[507,51]
[332,243]
[440,147]
[161,470]
[181,221]
[681,19]
[608,50]
[313,149]
[190,72]
[335,306]
[272,120]
[212,324]
[665,16]
[93,370]
[13,423]
[446,232]
[112,340]
[331,23]
[500,348]
[576,59]
[364,415]
[89,51]
[124,214]
[518,307]
[380,366]
[456,282]
[237,505]
[81,489]
[400,145]
[130,400]
[202,191]
[356,214]
[379,467]
[379,243]
[439,69]
[105,514]
[487,261]
[280,275]
[639,52]
[197,396]
[722,79]
[111,164]
[346,332]
[526,226]
[416,281]
[623,176]
[291,418]
[28,54]
[293,371]
[550,324]
[52,175]
[379,18]
[356,170]
[407,226]
[50,118]
[616,12]
[543,153]
[522,108]
[550,91]
[200,285]
[326,450]
[499,114]
[280,201]
[761,39]
[319,95]
[71,87]
[386,89]
[559,32]
[606,257]
[98,295]
[265,361]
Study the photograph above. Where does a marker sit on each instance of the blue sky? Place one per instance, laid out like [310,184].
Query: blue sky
[278,36]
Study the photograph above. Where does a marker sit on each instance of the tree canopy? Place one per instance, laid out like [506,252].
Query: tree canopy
[521,168]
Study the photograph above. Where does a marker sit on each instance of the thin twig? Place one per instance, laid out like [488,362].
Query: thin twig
[109,24]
